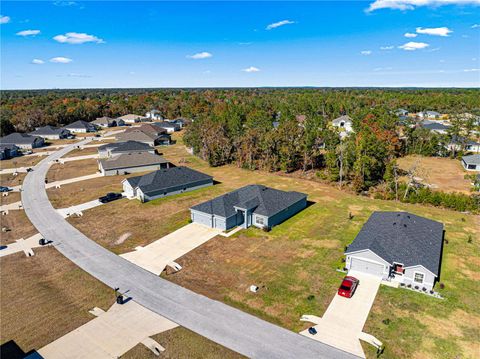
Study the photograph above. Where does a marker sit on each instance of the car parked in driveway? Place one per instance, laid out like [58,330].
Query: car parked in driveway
[348,286]
[109,197]
[5,189]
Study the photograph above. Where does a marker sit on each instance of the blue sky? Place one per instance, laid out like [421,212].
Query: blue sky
[73,44]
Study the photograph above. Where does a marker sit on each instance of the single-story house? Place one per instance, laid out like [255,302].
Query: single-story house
[150,139]
[170,127]
[399,247]
[8,151]
[131,118]
[471,162]
[435,127]
[165,182]
[344,123]
[255,205]
[154,115]
[22,140]
[429,114]
[81,126]
[459,143]
[51,133]
[181,122]
[130,163]
[118,148]
[147,128]
[108,122]
[401,112]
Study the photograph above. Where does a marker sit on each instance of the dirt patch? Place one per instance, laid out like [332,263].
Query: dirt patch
[122,238]
[44,297]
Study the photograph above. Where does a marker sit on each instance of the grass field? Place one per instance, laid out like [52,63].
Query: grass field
[82,152]
[19,227]
[21,161]
[72,169]
[443,174]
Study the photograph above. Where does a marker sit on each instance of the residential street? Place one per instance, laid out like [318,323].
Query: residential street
[218,322]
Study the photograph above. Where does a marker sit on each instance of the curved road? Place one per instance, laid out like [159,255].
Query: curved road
[214,320]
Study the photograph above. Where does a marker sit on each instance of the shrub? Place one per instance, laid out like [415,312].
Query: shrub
[386,321]
[311,297]
[424,289]
[409,286]
[442,286]
[417,287]
[470,239]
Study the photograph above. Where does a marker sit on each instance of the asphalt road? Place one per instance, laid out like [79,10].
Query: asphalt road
[214,320]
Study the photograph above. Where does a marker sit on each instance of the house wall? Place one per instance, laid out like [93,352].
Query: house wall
[173,190]
[368,256]
[470,167]
[428,279]
[126,170]
[285,214]
[213,221]
[128,189]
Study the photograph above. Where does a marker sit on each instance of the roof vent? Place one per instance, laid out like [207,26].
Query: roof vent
[394,223]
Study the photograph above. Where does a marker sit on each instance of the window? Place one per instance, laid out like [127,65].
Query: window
[418,278]
[260,220]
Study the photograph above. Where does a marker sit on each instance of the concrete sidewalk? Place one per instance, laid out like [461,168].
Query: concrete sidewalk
[77,158]
[342,324]
[157,255]
[111,334]
[69,211]
[11,206]
[24,245]
[13,170]
[73,180]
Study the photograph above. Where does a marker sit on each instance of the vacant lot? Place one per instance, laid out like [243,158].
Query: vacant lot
[182,343]
[72,169]
[18,227]
[11,197]
[444,174]
[44,297]
[82,152]
[21,161]
[9,180]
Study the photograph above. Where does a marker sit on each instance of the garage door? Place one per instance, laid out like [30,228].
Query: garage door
[204,219]
[366,267]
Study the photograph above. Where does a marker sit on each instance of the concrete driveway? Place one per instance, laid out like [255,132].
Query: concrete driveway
[342,324]
[157,255]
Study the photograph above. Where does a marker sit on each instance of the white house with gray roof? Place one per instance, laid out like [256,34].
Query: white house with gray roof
[118,148]
[344,124]
[399,247]
[471,163]
[165,182]
[131,163]
[81,126]
[51,133]
[252,205]
[22,140]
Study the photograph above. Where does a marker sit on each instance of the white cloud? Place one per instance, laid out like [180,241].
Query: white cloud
[382,69]
[412,46]
[409,34]
[4,19]
[474,26]
[28,32]
[77,38]
[278,24]
[390,47]
[412,4]
[74,74]
[471,70]
[37,62]
[200,55]
[434,31]
[65,3]
[251,69]
[366,52]
[60,60]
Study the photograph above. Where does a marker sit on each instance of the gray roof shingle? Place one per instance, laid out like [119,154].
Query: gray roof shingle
[402,237]
[49,130]
[132,160]
[163,179]
[80,124]
[18,138]
[263,200]
[472,159]
[126,146]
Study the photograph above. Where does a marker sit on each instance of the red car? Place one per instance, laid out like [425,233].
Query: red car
[348,286]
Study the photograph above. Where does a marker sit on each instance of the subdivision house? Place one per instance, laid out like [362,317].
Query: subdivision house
[170,127]
[130,118]
[471,162]
[51,133]
[165,182]
[461,143]
[8,151]
[118,148]
[252,205]
[148,138]
[399,247]
[81,126]
[429,114]
[344,123]
[434,127]
[154,115]
[131,163]
[106,122]
[22,140]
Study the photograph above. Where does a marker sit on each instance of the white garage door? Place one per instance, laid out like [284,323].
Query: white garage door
[366,267]
[204,219]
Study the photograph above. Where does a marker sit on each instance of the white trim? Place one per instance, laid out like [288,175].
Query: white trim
[367,250]
[419,265]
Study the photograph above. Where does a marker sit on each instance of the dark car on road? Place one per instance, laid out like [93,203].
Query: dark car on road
[348,286]
[109,197]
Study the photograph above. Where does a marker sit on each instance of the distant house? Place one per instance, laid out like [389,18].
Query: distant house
[154,115]
[436,127]
[118,148]
[471,162]
[51,133]
[147,128]
[429,114]
[131,118]
[148,138]
[165,182]
[344,123]
[22,140]
[130,163]
[460,143]
[255,205]
[8,151]
[401,112]
[170,127]
[81,127]
[399,247]
[276,124]
[106,122]
[181,122]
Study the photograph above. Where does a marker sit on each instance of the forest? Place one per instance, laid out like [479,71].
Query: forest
[236,125]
